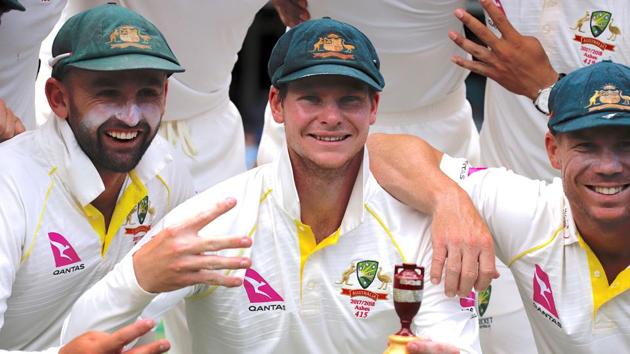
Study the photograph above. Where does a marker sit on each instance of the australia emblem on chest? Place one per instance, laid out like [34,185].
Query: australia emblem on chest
[597,33]
[363,284]
[139,219]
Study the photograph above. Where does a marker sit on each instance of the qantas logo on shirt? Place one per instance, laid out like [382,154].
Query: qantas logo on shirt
[543,296]
[64,254]
[259,291]
[62,250]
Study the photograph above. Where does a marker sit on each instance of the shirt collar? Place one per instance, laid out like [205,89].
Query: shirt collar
[285,192]
[76,169]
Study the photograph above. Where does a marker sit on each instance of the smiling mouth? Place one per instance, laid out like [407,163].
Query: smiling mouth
[123,135]
[332,139]
[608,190]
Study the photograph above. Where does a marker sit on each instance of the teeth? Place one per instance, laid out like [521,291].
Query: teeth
[608,190]
[329,138]
[123,135]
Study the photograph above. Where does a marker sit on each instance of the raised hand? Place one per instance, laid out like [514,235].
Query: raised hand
[518,63]
[10,124]
[177,257]
[291,12]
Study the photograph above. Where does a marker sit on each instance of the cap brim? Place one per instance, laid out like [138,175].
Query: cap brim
[593,120]
[128,62]
[331,69]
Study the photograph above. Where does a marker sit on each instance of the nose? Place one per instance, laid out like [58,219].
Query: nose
[129,114]
[609,163]
[331,115]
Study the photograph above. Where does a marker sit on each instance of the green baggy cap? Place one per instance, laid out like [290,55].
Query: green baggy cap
[324,47]
[593,96]
[111,38]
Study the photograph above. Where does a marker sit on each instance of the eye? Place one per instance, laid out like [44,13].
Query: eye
[310,99]
[584,147]
[149,93]
[351,100]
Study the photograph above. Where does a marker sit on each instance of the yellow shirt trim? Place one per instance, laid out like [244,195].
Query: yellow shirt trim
[389,234]
[41,217]
[602,292]
[523,254]
[132,195]
[309,245]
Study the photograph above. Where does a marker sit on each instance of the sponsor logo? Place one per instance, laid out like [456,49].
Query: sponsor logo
[129,36]
[600,22]
[259,291]
[363,298]
[134,226]
[468,304]
[483,301]
[64,254]
[608,97]
[472,170]
[333,45]
[543,296]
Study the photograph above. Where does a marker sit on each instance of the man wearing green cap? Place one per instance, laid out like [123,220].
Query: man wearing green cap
[80,191]
[325,236]
[567,243]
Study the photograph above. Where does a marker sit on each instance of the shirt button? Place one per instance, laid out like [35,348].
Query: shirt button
[596,274]
[311,285]
[546,29]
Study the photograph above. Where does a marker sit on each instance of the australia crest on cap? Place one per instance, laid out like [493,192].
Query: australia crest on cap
[608,97]
[333,46]
[129,36]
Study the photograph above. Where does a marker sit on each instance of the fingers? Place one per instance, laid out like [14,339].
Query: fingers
[196,223]
[474,66]
[500,20]
[427,346]
[475,26]
[479,52]
[487,266]
[291,12]
[19,127]
[437,262]
[221,243]
[128,334]
[160,346]
[453,270]
[468,277]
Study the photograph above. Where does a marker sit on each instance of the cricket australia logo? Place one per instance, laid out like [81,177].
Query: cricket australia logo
[543,296]
[608,97]
[135,224]
[483,301]
[357,283]
[603,32]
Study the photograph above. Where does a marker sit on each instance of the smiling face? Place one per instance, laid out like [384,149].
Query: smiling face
[114,115]
[326,120]
[595,168]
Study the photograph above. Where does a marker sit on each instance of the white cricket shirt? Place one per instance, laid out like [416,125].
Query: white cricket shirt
[54,244]
[569,302]
[298,295]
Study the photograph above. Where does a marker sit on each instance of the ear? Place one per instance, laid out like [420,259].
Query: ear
[275,104]
[551,144]
[57,96]
[375,100]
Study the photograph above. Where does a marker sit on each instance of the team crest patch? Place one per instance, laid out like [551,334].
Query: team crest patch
[601,25]
[333,45]
[599,22]
[135,224]
[366,271]
[129,36]
[484,300]
[358,284]
[608,97]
